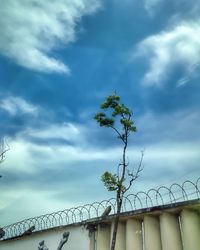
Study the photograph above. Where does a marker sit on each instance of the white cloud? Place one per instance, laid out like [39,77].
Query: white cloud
[27,156]
[16,105]
[30,30]
[180,126]
[26,197]
[163,51]
[151,6]
[178,159]
[190,73]
[174,158]
[179,7]
[66,131]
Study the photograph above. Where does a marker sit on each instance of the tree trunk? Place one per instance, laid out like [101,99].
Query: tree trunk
[114,234]
[116,222]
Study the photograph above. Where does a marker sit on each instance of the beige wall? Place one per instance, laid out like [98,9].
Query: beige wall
[172,229]
[103,237]
[134,239]
[121,236]
[170,232]
[78,240]
[190,229]
[152,237]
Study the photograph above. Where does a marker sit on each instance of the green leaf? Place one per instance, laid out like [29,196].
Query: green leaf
[103,120]
[110,181]
[110,102]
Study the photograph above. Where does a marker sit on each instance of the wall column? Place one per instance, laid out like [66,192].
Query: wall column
[121,238]
[92,234]
[170,232]
[92,241]
[133,234]
[152,238]
[103,237]
[190,225]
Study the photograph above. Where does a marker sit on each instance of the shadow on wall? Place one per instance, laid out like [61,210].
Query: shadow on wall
[64,239]
[50,239]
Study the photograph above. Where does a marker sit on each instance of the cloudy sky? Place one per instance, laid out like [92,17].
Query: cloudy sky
[58,61]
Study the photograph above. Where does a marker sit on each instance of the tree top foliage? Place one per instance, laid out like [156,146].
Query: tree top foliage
[112,110]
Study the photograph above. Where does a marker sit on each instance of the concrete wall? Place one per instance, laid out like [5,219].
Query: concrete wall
[190,229]
[159,230]
[162,229]
[78,240]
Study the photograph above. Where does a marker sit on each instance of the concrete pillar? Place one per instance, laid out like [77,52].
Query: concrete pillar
[103,237]
[190,225]
[170,232]
[121,236]
[92,240]
[92,235]
[134,234]
[152,238]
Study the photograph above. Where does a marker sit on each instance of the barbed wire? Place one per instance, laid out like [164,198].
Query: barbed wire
[162,195]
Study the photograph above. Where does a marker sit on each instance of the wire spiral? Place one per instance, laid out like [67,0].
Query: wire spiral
[162,195]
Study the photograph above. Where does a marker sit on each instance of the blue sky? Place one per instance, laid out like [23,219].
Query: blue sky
[58,61]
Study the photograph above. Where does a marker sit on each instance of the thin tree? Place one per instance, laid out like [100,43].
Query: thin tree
[3,149]
[119,118]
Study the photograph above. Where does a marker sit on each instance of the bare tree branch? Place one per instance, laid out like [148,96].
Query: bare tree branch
[3,149]
[133,175]
[120,136]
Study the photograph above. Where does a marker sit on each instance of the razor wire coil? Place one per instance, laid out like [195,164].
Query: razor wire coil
[162,195]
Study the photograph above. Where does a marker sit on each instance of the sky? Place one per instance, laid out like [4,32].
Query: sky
[58,62]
